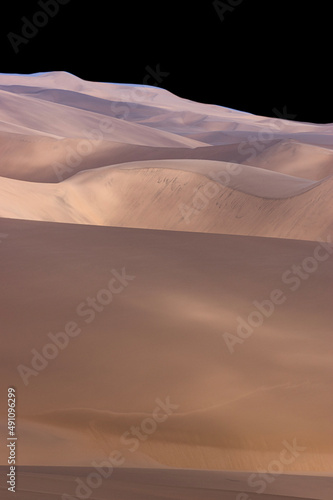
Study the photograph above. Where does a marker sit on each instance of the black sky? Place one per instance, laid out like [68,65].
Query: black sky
[263,56]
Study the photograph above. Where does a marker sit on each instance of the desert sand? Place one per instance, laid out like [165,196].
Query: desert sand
[149,484]
[166,294]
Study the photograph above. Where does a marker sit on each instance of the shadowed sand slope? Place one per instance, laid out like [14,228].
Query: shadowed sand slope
[163,339]
[48,483]
[36,120]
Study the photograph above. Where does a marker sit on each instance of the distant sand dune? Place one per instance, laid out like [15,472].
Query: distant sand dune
[293,158]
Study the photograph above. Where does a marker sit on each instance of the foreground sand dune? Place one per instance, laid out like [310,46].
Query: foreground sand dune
[163,337]
[166,299]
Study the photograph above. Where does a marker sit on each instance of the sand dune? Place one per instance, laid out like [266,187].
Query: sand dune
[36,120]
[166,298]
[44,159]
[293,158]
[183,298]
[179,195]
[48,483]
[67,90]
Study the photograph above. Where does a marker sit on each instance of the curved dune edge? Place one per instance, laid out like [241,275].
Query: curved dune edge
[295,158]
[39,158]
[172,199]
[37,121]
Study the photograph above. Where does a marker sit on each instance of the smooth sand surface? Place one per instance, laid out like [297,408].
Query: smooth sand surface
[163,336]
[165,298]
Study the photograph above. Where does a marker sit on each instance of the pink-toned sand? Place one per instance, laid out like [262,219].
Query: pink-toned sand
[208,212]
